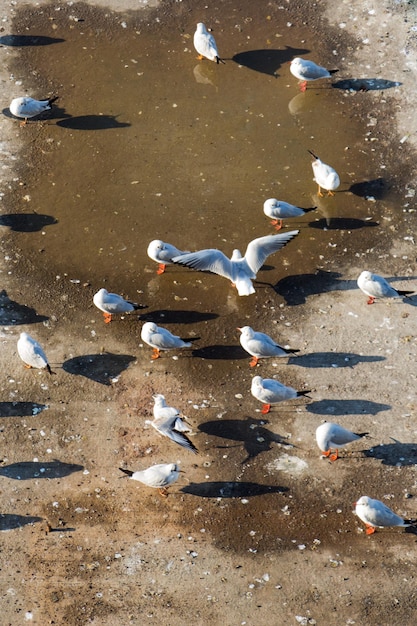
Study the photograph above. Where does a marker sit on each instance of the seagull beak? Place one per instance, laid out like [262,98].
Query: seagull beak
[239,329]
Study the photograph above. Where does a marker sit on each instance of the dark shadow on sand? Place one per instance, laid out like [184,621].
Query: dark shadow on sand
[21,409]
[251,432]
[226,353]
[12,313]
[267,61]
[346,407]
[376,188]
[26,470]
[28,40]
[26,222]
[365,84]
[296,289]
[92,122]
[230,489]
[332,359]
[342,223]
[166,316]
[9,521]
[394,454]
[101,368]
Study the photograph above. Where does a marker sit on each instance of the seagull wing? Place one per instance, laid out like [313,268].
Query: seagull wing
[210,260]
[259,249]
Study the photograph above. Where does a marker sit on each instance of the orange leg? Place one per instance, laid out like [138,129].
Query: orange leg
[335,456]
[319,193]
[254,361]
[330,193]
[28,367]
[369,529]
[303,86]
[24,122]
[163,492]
[200,57]
[277,223]
[107,318]
[265,409]
[327,453]
[161,268]
[371,300]
[155,354]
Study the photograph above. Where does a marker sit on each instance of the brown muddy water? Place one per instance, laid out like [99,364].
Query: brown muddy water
[148,142]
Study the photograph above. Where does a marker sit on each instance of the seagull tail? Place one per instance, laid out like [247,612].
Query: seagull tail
[361,434]
[52,100]
[291,350]
[332,71]
[48,367]
[304,393]
[405,293]
[126,471]
[219,60]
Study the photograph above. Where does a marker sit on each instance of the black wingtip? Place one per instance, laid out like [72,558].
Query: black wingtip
[219,60]
[48,367]
[332,71]
[126,471]
[52,100]
[304,393]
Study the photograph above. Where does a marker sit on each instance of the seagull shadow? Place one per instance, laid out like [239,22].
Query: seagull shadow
[365,84]
[101,368]
[230,489]
[346,407]
[395,454]
[267,61]
[332,359]
[166,316]
[12,313]
[251,432]
[376,188]
[28,40]
[221,352]
[26,222]
[21,409]
[342,223]
[10,521]
[26,470]
[92,122]
[296,289]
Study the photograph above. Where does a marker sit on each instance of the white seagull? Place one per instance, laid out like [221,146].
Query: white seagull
[157,476]
[261,346]
[31,353]
[26,107]
[168,422]
[306,71]
[271,391]
[112,304]
[375,286]
[239,270]
[205,44]
[329,435]
[324,175]
[162,253]
[375,513]
[161,339]
[277,210]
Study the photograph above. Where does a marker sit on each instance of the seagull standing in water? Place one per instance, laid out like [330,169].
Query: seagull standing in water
[261,346]
[278,210]
[271,391]
[239,270]
[111,304]
[306,71]
[162,253]
[376,286]
[161,339]
[329,435]
[374,513]
[168,422]
[156,476]
[26,107]
[205,44]
[325,176]
[31,353]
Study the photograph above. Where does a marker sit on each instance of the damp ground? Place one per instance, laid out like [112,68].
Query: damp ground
[148,142]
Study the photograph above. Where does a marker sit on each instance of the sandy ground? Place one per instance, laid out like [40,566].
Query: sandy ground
[275,540]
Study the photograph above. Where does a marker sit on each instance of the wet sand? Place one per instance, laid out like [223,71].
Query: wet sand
[258,522]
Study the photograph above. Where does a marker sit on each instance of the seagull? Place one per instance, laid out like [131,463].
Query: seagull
[325,176]
[29,107]
[161,339]
[375,286]
[31,353]
[260,345]
[167,421]
[240,270]
[162,253]
[277,210]
[375,513]
[205,44]
[271,391]
[306,71]
[112,303]
[329,435]
[157,476]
